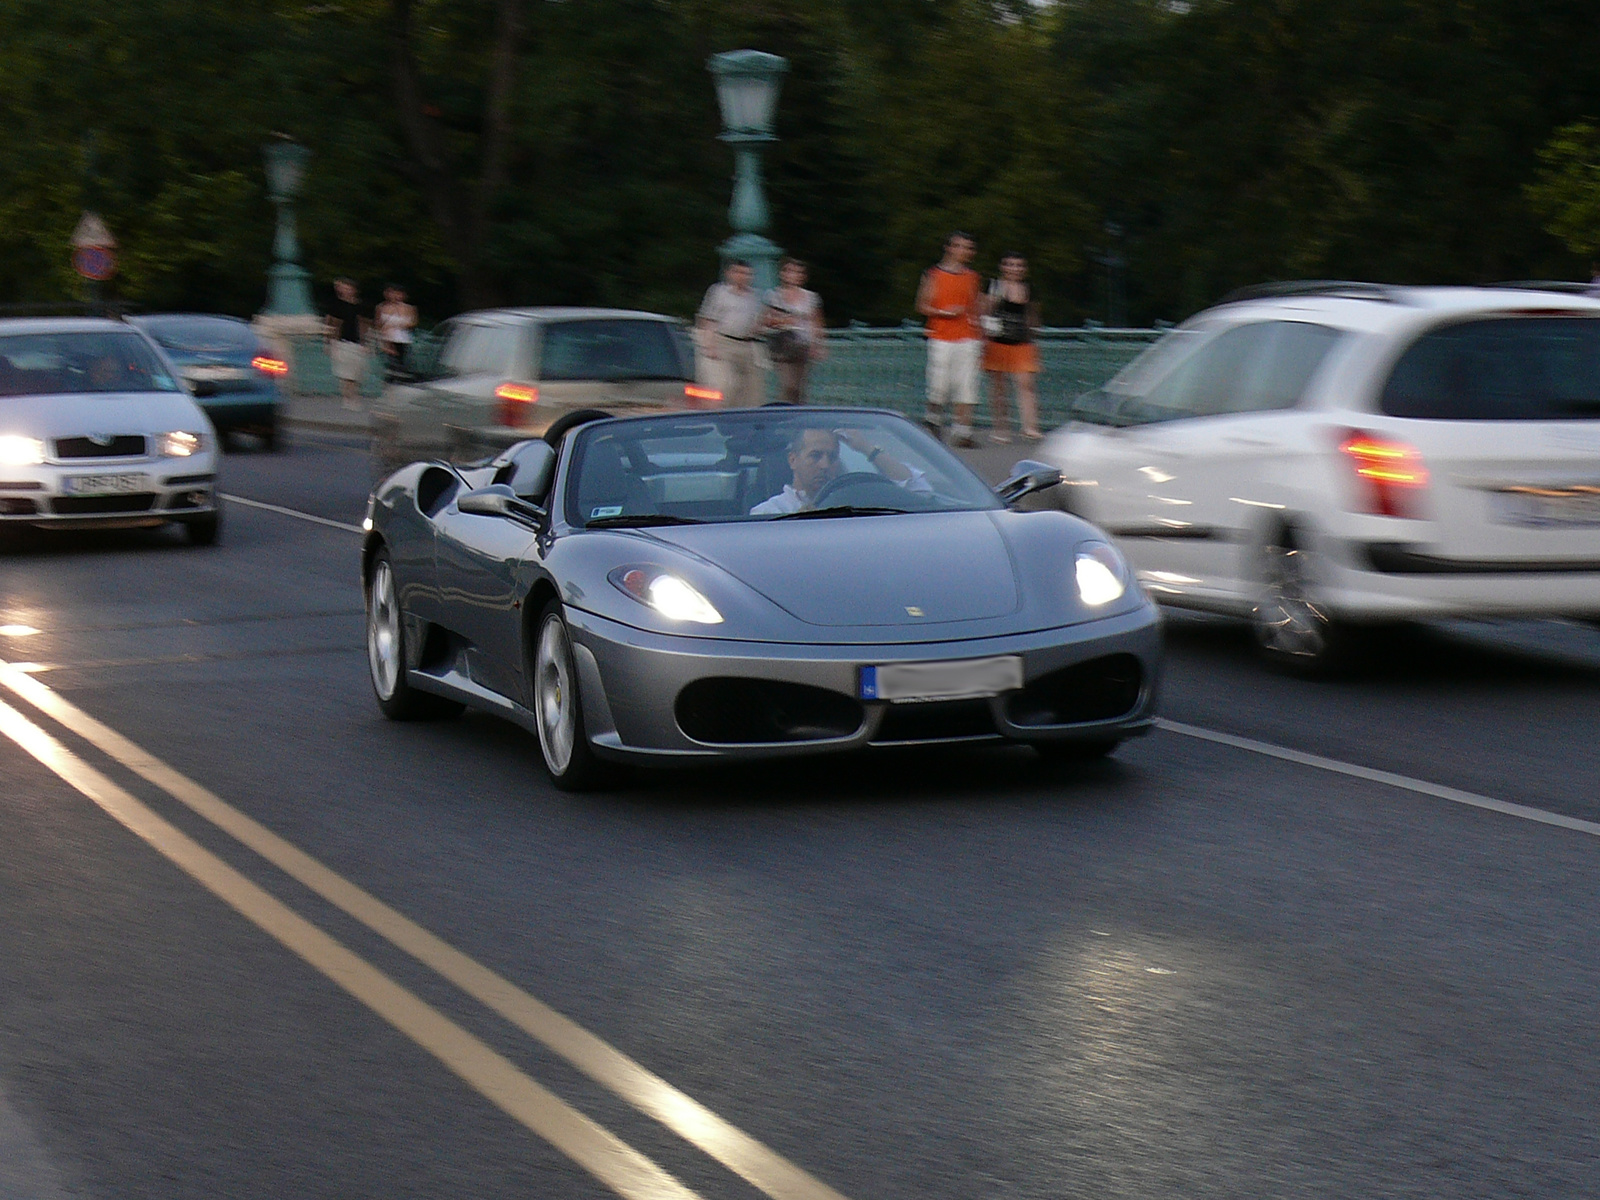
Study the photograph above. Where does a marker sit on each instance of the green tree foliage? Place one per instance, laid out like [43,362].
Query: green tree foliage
[532,151]
[1567,190]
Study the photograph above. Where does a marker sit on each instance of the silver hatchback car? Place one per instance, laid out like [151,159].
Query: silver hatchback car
[96,430]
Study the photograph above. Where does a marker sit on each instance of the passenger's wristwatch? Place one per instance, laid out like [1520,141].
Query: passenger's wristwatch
[872,456]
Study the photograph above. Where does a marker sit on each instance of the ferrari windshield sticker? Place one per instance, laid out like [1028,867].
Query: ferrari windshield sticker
[605,510]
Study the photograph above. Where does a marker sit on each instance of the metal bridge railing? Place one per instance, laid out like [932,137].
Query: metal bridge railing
[888,368]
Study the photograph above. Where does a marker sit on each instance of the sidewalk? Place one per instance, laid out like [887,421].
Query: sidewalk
[326,414]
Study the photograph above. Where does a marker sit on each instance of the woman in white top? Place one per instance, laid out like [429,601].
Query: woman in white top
[796,337]
[396,320]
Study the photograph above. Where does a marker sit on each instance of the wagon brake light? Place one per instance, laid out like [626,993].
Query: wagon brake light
[701,397]
[268,365]
[1391,473]
[515,400]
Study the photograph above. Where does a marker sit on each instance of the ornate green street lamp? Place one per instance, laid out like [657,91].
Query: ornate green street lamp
[747,92]
[289,284]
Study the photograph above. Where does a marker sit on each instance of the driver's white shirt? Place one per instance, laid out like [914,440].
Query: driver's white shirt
[792,500]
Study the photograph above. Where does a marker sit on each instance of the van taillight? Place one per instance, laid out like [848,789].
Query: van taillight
[1390,474]
[515,401]
[701,397]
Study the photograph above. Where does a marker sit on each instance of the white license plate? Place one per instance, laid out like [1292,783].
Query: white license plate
[105,485]
[1575,507]
[215,374]
[961,680]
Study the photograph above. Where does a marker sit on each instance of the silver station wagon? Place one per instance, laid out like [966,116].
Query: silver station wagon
[486,380]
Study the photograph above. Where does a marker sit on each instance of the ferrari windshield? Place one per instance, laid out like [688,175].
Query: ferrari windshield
[775,464]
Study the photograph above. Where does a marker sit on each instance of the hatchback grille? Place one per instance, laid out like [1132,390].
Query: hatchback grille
[79,505]
[126,445]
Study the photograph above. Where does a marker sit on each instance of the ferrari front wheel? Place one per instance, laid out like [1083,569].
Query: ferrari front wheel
[386,652]
[558,707]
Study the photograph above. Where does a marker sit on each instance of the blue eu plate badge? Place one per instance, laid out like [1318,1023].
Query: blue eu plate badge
[869,683]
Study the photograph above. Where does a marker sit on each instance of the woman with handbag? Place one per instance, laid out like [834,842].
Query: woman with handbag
[796,337]
[1010,350]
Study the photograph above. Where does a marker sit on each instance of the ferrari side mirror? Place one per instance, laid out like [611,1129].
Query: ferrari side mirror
[1026,478]
[498,500]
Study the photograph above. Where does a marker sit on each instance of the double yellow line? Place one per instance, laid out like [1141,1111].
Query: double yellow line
[605,1156]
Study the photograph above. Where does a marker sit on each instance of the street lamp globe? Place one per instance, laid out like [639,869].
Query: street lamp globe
[747,91]
[286,168]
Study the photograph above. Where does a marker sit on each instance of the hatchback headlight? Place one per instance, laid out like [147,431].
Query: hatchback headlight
[666,593]
[19,451]
[180,444]
[1102,576]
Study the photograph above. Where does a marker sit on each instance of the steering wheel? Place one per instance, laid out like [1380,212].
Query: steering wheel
[875,491]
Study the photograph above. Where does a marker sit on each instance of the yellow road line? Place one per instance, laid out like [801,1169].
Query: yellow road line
[742,1154]
[600,1152]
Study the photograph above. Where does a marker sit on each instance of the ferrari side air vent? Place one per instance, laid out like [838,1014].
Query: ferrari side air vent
[1101,689]
[730,712]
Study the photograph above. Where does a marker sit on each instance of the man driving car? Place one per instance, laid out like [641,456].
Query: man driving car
[814,462]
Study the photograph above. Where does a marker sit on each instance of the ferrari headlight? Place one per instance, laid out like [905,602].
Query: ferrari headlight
[1101,575]
[19,451]
[667,594]
[179,444]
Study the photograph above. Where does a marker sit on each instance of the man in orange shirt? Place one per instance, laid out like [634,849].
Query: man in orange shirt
[951,297]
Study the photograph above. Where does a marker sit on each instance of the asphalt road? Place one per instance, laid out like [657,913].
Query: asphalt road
[1197,969]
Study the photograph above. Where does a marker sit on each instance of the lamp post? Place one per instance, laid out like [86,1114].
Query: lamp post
[747,92]
[289,284]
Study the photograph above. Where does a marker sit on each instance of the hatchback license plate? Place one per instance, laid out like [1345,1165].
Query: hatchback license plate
[1577,507]
[964,679]
[105,485]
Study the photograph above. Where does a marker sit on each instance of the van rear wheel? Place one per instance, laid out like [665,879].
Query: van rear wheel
[1294,630]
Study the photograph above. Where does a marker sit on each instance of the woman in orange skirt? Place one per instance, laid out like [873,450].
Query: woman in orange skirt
[1010,351]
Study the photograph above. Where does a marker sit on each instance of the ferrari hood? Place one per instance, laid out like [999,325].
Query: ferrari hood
[915,569]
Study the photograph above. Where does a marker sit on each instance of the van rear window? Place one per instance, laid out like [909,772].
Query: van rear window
[1502,369]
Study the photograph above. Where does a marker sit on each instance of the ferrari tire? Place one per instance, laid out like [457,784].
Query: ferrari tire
[1076,752]
[558,707]
[386,652]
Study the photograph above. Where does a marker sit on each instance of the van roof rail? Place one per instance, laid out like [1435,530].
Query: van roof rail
[1343,288]
[1569,287]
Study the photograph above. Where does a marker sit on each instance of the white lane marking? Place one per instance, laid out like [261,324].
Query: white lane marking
[599,1151]
[289,512]
[762,1167]
[26,1169]
[1389,778]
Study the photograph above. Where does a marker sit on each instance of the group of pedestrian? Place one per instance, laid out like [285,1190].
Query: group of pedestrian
[348,333]
[970,328]
[740,330]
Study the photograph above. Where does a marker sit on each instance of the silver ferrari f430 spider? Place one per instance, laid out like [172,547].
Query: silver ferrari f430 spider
[695,586]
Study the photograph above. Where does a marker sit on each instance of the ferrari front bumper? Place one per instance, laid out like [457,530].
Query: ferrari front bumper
[633,686]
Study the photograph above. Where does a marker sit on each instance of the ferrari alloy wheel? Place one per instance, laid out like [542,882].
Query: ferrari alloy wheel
[558,707]
[386,652]
[383,631]
[1292,629]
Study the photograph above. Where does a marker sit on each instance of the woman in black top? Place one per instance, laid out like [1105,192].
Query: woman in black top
[1010,349]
